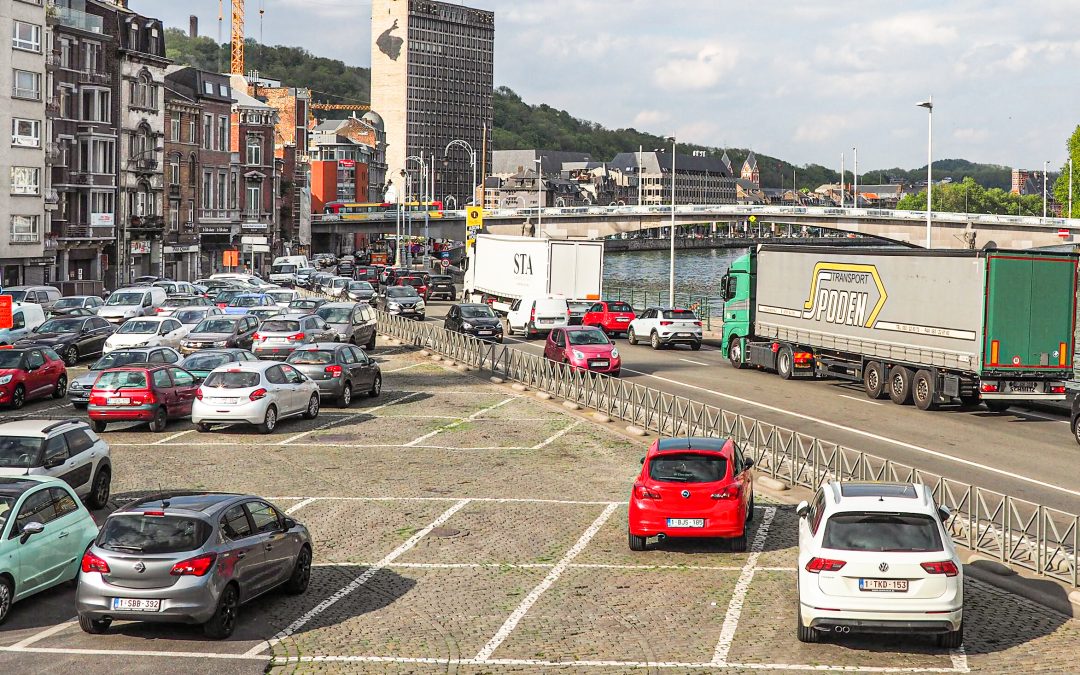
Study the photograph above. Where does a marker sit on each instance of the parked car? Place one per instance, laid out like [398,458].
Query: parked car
[79,388]
[226,295]
[71,337]
[175,302]
[70,303]
[339,370]
[280,335]
[666,326]
[611,316]
[244,302]
[67,450]
[201,556]
[359,291]
[39,295]
[213,286]
[306,305]
[304,275]
[176,287]
[402,300]
[537,316]
[25,316]
[577,309]
[203,361]
[256,392]
[876,558]
[150,393]
[221,331]
[352,322]
[442,286]
[29,373]
[583,348]
[147,280]
[283,296]
[147,331]
[44,530]
[692,487]
[476,319]
[128,303]
[191,316]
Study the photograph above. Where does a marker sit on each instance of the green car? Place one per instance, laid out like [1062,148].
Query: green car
[45,531]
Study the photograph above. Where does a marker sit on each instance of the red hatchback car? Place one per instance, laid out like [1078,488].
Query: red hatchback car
[692,487]
[612,317]
[153,394]
[29,373]
[416,282]
[583,348]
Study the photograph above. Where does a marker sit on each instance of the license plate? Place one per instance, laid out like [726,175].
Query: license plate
[136,604]
[483,332]
[222,400]
[600,364]
[686,522]
[119,401]
[686,335]
[1026,387]
[884,585]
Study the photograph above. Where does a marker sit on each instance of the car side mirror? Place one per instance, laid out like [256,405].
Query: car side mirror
[802,509]
[53,463]
[30,529]
[288,524]
[643,460]
[747,462]
[944,512]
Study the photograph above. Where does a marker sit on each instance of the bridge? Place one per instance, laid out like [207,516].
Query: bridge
[950,230]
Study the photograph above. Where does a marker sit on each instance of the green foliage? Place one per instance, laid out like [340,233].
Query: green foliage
[1061,185]
[968,196]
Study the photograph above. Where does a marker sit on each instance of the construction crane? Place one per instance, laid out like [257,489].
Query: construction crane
[237,66]
[340,106]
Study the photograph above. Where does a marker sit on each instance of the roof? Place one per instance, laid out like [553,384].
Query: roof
[880,496]
[751,161]
[35,427]
[692,443]
[187,501]
[652,161]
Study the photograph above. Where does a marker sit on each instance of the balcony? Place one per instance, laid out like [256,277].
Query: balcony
[52,61]
[144,164]
[146,223]
[83,231]
[74,18]
[52,152]
[52,107]
[52,198]
[94,77]
[219,215]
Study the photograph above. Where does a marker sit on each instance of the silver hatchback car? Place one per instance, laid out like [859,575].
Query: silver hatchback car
[190,558]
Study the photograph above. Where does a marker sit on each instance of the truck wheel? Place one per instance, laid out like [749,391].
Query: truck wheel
[734,353]
[873,379]
[997,406]
[922,390]
[900,385]
[784,360]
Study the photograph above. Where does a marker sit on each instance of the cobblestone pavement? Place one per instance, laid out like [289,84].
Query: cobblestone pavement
[464,527]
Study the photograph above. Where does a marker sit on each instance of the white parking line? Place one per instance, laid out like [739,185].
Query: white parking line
[556,436]
[169,438]
[738,596]
[358,413]
[446,427]
[130,652]
[358,581]
[860,399]
[299,505]
[696,363]
[573,566]
[45,633]
[497,500]
[1038,416]
[512,621]
[398,370]
[959,659]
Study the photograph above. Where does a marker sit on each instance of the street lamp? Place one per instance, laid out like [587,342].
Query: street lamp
[539,194]
[423,205]
[671,270]
[472,158]
[929,105]
[856,197]
[1045,165]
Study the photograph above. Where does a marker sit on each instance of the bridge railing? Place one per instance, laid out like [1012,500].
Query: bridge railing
[1009,529]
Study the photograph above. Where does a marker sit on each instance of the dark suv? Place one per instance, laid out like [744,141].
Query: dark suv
[442,285]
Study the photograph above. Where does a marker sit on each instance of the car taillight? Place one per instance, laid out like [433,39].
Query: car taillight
[334,371]
[257,394]
[256,336]
[946,567]
[666,323]
[802,358]
[1057,389]
[532,314]
[824,565]
[154,514]
[298,336]
[642,492]
[197,566]
[988,388]
[730,492]
[93,563]
[159,310]
[198,393]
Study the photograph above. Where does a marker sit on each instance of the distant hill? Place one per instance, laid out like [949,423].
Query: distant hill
[521,125]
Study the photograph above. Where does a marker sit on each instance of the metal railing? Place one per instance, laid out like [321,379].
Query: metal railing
[641,298]
[1011,530]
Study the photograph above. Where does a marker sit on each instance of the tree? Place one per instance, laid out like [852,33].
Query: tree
[1061,185]
[968,196]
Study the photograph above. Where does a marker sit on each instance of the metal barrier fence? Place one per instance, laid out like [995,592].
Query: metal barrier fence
[1011,530]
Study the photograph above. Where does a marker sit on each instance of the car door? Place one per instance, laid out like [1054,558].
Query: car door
[250,324]
[42,556]
[164,390]
[551,346]
[279,549]
[593,316]
[281,389]
[18,328]
[346,357]
[297,394]
[37,376]
[244,554]
[185,387]
[451,322]
[83,455]
[100,330]
[367,368]
[174,331]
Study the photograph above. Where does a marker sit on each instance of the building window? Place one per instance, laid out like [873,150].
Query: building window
[223,134]
[174,171]
[25,180]
[96,156]
[233,183]
[174,216]
[208,87]
[223,91]
[96,105]
[219,195]
[25,133]
[254,150]
[254,200]
[26,84]
[192,128]
[65,53]
[25,230]
[191,211]
[26,36]
[143,202]
[144,92]
[192,170]
[102,202]
[174,127]
[207,190]
[91,56]
[208,132]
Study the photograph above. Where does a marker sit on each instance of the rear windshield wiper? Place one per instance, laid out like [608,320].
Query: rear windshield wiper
[122,547]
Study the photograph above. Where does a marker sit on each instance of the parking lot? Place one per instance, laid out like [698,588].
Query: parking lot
[461,526]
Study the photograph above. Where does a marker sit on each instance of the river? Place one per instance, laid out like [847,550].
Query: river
[697,271]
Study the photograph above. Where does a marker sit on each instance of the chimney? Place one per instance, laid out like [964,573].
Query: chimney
[193,26]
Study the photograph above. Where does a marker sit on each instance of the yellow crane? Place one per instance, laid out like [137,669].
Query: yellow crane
[340,106]
[237,41]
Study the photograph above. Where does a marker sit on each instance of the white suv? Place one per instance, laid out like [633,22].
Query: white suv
[67,450]
[876,558]
[664,326]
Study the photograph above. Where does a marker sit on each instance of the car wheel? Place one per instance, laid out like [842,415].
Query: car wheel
[636,543]
[312,410]
[18,397]
[738,544]
[750,511]
[98,426]
[953,639]
[1076,430]
[900,385]
[99,493]
[631,337]
[370,346]
[784,363]
[345,399]
[509,328]
[805,633]
[654,340]
[696,346]
[71,356]
[269,421]
[94,626]
[376,387]
[160,420]
[734,352]
[202,427]
[6,596]
[922,390]
[301,574]
[873,379]
[222,624]
[61,387]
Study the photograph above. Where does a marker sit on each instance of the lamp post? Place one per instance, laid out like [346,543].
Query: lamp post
[539,194]
[929,105]
[1070,187]
[472,158]
[841,180]
[671,268]
[1045,165]
[423,203]
[855,199]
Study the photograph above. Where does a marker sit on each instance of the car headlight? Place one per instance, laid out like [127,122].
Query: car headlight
[393,305]
[419,304]
[5,379]
[466,325]
[614,352]
[577,354]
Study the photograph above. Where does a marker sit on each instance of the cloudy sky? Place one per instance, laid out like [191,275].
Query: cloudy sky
[801,80]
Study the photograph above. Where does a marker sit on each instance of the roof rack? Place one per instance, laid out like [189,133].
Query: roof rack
[54,425]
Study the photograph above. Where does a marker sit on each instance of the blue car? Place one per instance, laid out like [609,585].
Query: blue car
[245,302]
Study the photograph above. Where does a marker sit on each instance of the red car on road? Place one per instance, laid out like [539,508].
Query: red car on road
[29,373]
[692,487]
[416,282]
[583,348]
[612,317]
[153,394]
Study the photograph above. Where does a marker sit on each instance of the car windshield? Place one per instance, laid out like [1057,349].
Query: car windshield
[679,314]
[868,531]
[227,295]
[121,379]
[283,269]
[587,337]
[119,358]
[68,303]
[311,357]
[18,451]
[303,304]
[204,361]
[60,326]
[360,286]
[214,326]
[6,504]
[238,379]
[482,312]
[335,314]
[16,296]
[136,533]
[401,292]
[180,302]
[247,301]
[281,296]
[10,359]
[140,327]
[279,326]
[125,299]
[687,467]
[189,316]
[620,307]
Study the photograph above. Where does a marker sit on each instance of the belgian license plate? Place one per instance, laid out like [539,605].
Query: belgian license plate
[600,364]
[120,400]
[483,332]
[1025,387]
[685,335]
[136,604]
[686,522]
[222,400]
[884,585]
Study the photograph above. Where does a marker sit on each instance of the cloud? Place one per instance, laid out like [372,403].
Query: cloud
[971,134]
[818,128]
[922,28]
[650,118]
[698,71]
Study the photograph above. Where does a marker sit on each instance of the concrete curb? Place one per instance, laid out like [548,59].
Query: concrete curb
[497,380]
[543,396]
[771,483]
[519,387]
[570,405]
[600,417]
[635,431]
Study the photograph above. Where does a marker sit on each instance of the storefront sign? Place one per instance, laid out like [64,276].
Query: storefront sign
[253,226]
[218,229]
[190,248]
[140,248]
[102,220]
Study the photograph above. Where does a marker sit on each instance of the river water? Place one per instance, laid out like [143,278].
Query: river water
[697,271]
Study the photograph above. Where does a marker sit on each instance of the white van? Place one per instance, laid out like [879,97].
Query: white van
[537,316]
[25,316]
[298,260]
[127,303]
[252,280]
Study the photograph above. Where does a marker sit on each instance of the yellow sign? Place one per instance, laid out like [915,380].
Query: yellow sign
[840,293]
[753,219]
[474,216]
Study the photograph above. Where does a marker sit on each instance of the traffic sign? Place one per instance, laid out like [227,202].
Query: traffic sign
[474,216]
[5,311]
[1064,232]
[445,263]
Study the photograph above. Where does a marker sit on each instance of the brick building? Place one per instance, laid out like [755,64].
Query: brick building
[253,131]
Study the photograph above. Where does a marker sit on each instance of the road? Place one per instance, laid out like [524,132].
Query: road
[1025,453]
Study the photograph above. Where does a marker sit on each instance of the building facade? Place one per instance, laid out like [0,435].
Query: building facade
[431,81]
[252,140]
[698,180]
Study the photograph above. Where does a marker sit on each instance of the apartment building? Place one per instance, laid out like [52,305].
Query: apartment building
[253,131]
